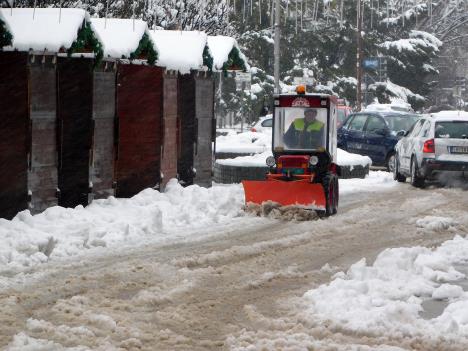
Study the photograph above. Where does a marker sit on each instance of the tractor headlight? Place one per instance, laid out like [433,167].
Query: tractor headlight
[270,161]
[313,160]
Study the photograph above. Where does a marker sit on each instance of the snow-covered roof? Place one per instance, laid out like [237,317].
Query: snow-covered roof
[120,37]
[221,47]
[179,50]
[450,115]
[43,28]
[397,106]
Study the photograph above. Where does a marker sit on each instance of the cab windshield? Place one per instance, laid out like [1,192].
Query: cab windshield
[300,128]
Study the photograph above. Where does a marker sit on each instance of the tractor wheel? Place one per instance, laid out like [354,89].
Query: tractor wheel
[329,183]
[336,198]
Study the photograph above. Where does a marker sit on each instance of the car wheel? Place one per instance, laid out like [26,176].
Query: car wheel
[390,163]
[416,180]
[396,171]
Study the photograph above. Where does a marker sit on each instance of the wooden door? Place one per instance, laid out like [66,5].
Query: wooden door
[187,128]
[139,112]
[14,133]
[75,117]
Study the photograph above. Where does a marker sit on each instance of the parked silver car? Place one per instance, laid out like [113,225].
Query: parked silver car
[436,145]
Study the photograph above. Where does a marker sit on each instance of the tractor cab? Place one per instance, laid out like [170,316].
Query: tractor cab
[303,170]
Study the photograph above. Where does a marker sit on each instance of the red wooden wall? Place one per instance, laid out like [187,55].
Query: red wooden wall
[139,113]
[14,133]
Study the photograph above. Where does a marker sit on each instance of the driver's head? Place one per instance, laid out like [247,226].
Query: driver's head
[310,115]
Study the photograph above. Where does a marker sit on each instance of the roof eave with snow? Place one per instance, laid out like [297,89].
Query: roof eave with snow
[43,29]
[181,51]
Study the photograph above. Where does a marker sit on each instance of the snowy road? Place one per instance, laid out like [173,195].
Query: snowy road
[236,286]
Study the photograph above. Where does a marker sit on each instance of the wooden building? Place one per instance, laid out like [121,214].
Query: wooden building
[138,106]
[38,105]
[187,53]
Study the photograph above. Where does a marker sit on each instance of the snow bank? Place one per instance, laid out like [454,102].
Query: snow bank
[120,37]
[344,158]
[247,142]
[435,223]
[374,181]
[260,144]
[60,232]
[386,297]
[43,28]
[179,50]
[257,160]
[220,48]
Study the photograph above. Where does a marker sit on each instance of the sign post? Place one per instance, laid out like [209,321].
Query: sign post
[243,83]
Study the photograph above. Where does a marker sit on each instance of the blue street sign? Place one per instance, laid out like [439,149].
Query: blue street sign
[370,63]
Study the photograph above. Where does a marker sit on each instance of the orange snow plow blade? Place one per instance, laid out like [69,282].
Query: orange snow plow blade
[299,193]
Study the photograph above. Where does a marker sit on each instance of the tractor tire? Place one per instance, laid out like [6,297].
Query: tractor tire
[396,172]
[329,183]
[336,197]
[416,180]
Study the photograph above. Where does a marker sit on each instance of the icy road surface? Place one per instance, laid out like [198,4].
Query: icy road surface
[239,285]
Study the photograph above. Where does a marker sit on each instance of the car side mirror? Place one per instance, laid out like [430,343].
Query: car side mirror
[401,133]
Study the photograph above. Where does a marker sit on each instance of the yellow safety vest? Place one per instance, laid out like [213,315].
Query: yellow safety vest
[315,126]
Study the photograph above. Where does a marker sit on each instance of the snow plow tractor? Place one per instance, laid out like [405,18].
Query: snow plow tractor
[303,170]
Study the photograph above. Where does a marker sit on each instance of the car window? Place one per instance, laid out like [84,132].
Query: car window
[401,122]
[451,129]
[341,115]
[358,122]
[425,129]
[375,123]
[267,122]
[417,128]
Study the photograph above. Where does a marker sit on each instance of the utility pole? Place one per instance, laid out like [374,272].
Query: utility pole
[277,45]
[359,56]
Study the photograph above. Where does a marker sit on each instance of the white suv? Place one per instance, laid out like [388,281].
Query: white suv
[437,144]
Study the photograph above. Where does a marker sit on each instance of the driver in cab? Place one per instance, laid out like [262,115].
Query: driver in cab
[305,133]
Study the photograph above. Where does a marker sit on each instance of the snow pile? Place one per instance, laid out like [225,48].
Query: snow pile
[375,181]
[149,216]
[43,29]
[179,50]
[344,158]
[257,160]
[436,223]
[243,143]
[220,48]
[386,297]
[120,37]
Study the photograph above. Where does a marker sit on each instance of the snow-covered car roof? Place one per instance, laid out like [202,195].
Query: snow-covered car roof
[393,107]
[450,116]
[120,37]
[180,50]
[43,29]
[223,49]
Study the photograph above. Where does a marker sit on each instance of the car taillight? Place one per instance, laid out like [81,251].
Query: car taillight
[253,130]
[429,147]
